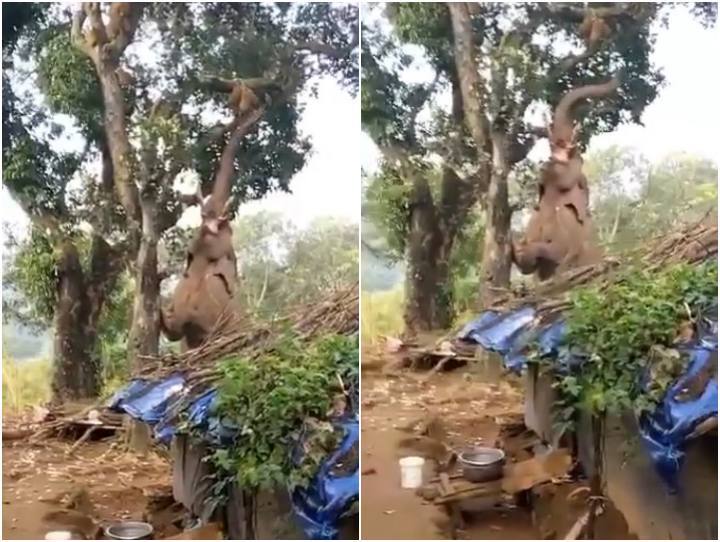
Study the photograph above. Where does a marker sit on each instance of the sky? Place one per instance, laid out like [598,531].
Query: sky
[683,118]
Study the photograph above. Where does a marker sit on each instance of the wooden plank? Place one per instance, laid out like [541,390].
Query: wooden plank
[577,528]
[446,486]
[516,478]
[456,519]
[526,474]
[473,490]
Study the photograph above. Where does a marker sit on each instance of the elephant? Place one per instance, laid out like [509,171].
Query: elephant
[557,238]
[560,234]
[204,300]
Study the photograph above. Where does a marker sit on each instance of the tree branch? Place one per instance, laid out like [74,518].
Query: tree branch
[576,12]
[124,37]
[76,34]
[218,84]
[471,85]
[92,11]
[325,49]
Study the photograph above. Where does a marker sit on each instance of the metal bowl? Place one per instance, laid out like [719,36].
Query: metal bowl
[482,464]
[129,530]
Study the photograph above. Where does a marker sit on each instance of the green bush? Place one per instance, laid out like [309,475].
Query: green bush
[274,400]
[625,330]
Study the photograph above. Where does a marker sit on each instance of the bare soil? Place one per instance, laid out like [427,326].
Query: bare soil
[408,412]
[463,409]
[44,489]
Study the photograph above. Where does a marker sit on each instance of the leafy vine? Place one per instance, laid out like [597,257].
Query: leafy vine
[624,333]
[281,401]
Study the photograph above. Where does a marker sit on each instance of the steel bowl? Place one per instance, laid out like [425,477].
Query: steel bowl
[482,464]
[129,530]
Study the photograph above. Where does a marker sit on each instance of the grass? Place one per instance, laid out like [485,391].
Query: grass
[25,384]
[381,314]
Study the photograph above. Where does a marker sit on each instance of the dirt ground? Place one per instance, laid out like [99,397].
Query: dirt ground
[44,489]
[470,410]
[475,404]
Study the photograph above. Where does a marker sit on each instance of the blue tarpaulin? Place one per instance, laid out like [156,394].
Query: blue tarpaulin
[317,508]
[320,505]
[665,430]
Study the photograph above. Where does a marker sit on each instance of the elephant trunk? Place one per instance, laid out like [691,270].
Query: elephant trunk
[562,126]
[221,187]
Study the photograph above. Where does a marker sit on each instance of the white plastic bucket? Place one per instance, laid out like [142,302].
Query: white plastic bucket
[59,535]
[411,472]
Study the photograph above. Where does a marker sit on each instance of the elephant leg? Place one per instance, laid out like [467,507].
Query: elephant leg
[525,257]
[170,325]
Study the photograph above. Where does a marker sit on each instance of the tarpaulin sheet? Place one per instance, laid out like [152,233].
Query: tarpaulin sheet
[321,505]
[665,430]
[318,508]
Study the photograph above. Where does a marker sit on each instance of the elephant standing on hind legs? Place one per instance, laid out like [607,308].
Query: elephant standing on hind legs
[204,300]
[560,234]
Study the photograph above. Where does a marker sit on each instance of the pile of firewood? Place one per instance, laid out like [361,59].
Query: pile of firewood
[337,314]
[692,244]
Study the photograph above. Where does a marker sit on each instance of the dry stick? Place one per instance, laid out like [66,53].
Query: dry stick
[437,368]
[337,314]
[83,438]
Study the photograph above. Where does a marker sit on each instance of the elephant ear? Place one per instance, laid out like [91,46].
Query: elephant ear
[579,213]
[188,261]
[226,272]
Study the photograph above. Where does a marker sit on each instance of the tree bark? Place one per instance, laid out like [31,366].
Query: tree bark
[495,266]
[429,300]
[497,253]
[471,84]
[141,210]
[145,331]
[81,297]
[75,371]
[428,292]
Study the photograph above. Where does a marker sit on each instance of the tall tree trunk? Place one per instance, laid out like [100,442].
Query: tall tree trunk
[140,211]
[75,369]
[497,253]
[495,267]
[81,298]
[428,294]
[430,302]
[145,331]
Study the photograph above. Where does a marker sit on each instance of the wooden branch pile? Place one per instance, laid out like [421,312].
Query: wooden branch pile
[337,314]
[64,419]
[692,244]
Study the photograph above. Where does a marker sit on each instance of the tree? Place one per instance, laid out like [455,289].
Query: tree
[273,43]
[492,64]
[146,117]
[634,200]
[49,269]
[420,207]
[284,267]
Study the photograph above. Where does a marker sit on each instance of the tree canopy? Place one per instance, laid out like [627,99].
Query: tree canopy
[95,205]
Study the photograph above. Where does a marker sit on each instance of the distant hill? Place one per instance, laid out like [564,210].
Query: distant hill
[21,343]
[377,274]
